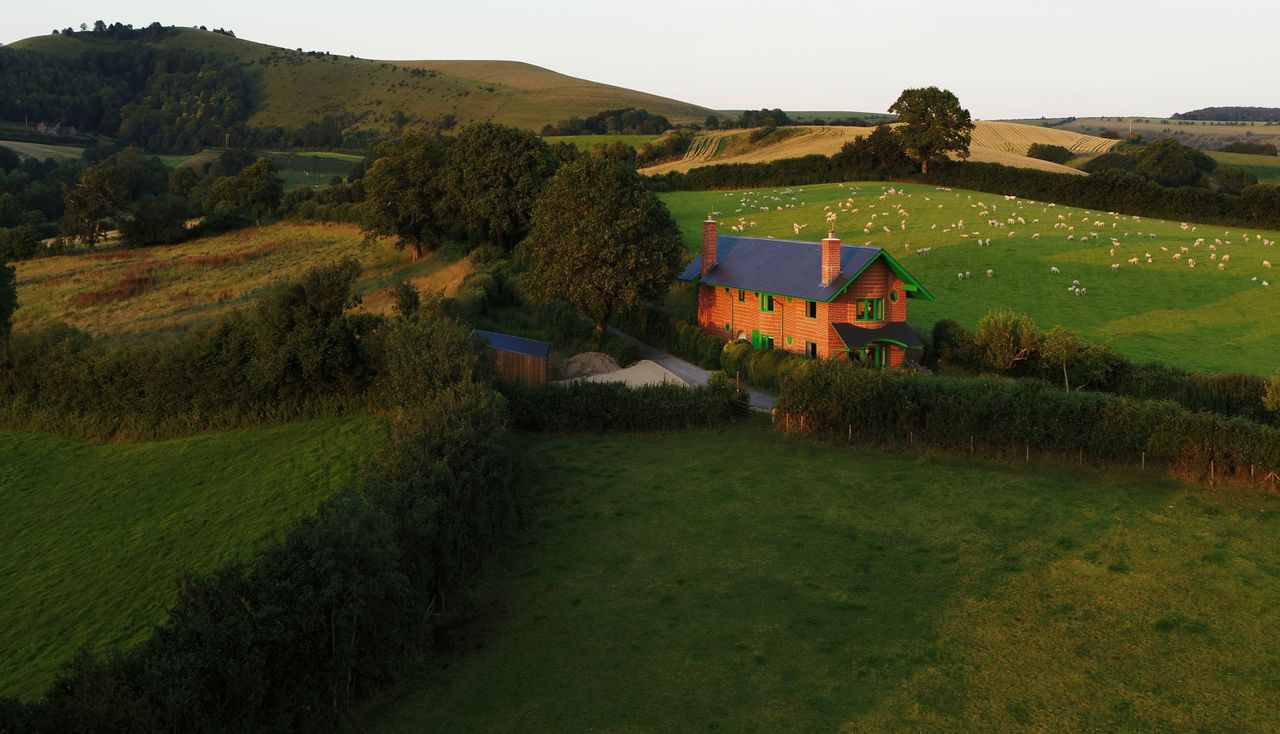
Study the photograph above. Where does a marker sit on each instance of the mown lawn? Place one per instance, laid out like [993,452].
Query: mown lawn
[1198,318]
[733,580]
[96,537]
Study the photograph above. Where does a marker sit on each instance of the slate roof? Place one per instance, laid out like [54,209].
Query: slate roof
[857,337]
[515,344]
[784,267]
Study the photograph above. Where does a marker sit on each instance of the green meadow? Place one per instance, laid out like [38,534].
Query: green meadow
[734,580]
[301,170]
[97,536]
[1199,318]
[1265,167]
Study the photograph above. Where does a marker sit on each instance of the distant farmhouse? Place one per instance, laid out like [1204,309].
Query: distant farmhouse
[55,129]
[820,300]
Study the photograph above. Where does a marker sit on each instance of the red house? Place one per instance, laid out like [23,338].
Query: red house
[821,300]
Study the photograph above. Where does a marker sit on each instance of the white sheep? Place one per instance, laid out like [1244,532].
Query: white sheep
[959,276]
[1054,270]
[990,273]
[1266,263]
[1115,267]
[1222,266]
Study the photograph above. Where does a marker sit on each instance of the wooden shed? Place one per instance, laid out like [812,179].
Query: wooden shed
[516,358]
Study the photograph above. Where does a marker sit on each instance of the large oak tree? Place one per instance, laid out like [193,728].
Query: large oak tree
[492,176]
[404,192]
[600,241]
[933,124]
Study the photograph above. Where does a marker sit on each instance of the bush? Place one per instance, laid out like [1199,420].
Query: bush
[1006,339]
[624,351]
[1051,153]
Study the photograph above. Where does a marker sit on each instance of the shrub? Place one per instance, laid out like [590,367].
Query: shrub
[1051,153]
[1271,398]
[1006,339]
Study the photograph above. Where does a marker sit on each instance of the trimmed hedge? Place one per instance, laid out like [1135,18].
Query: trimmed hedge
[841,401]
[607,406]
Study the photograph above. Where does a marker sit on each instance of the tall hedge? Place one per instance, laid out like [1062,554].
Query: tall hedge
[843,401]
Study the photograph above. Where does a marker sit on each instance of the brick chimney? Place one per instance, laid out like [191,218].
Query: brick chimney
[830,258]
[710,233]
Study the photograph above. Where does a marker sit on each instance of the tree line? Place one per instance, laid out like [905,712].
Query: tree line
[624,121]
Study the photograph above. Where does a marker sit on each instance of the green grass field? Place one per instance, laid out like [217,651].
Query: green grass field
[587,142]
[43,151]
[1265,167]
[734,580]
[97,536]
[1165,311]
[298,170]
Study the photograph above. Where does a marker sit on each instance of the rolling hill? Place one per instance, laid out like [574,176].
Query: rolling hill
[993,142]
[296,87]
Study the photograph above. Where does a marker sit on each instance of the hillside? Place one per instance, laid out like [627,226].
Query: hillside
[295,87]
[993,142]
[1209,135]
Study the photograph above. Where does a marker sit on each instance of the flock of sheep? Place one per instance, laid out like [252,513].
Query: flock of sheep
[887,214]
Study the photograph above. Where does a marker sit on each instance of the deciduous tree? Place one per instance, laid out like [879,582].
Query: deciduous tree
[403,193]
[600,241]
[492,176]
[933,124]
[1007,339]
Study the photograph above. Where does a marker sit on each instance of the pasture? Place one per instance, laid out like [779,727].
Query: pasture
[1217,316]
[133,291]
[1265,167]
[1199,133]
[733,580]
[44,151]
[97,536]
[298,170]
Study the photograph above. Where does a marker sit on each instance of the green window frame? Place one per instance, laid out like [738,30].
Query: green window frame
[766,303]
[811,309]
[766,342]
[869,309]
[893,296]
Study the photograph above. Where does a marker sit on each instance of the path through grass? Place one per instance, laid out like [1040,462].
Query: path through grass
[96,536]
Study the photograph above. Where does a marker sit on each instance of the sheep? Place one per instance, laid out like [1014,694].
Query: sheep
[1191,262]
[1221,267]
[1035,236]
[1115,267]
[1226,258]
[990,273]
[959,276]
[1133,261]
[1177,256]
[1054,270]
[1266,263]
[967,274]
[1265,284]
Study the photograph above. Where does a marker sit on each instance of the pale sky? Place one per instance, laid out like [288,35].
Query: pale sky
[1001,58]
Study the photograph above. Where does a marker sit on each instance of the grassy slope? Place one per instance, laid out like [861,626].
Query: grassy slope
[587,142]
[43,151]
[96,536]
[993,142]
[199,280]
[1151,127]
[297,88]
[1265,167]
[737,581]
[1196,318]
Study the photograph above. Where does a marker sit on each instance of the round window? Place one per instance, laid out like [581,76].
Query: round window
[893,296]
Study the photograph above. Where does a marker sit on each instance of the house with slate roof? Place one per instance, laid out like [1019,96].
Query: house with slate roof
[822,300]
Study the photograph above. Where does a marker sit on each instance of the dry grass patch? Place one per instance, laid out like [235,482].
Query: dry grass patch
[134,291]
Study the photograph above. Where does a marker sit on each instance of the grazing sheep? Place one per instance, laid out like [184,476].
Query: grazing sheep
[1133,261]
[1222,266]
[967,274]
[1226,258]
[1191,262]
[1054,270]
[1115,267]
[1177,256]
[959,276]
[990,273]
[1266,263]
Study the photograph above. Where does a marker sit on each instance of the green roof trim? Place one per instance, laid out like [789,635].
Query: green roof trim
[909,283]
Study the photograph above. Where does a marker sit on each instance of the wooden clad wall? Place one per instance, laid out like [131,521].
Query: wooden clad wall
[519,367]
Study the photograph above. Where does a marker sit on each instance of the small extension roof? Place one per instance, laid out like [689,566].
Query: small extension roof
[514,344]
[791,268]
[894,332]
